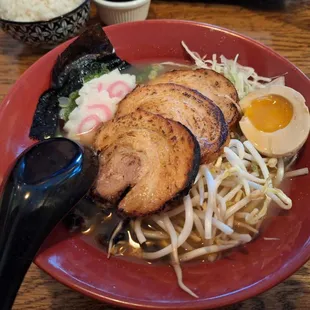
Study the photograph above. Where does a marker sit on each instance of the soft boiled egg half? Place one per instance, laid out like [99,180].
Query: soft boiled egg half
[276,120]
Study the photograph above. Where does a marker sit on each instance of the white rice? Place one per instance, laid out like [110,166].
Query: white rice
[36,10]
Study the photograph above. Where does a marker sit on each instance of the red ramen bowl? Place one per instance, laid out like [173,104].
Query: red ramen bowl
[260,265]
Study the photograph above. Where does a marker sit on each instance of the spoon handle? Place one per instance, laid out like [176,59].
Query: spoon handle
[24,234]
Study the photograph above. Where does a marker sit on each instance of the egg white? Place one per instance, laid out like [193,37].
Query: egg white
[283,142]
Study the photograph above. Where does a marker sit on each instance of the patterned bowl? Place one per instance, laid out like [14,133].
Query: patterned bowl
[48,34]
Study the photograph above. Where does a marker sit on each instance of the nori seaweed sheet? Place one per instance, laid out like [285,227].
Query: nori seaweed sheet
[45,119]
[88,54]
[92,43]
[86,66]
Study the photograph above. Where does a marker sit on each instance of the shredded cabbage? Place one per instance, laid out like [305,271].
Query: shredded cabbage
[245,79]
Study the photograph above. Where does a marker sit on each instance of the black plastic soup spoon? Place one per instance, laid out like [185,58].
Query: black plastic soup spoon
[47,181]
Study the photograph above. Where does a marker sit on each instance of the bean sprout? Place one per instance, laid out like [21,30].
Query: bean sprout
[219,162]
[138,231]
[161,224]
[201,191]
[242,203]
[222,204]
[183,235]
[239,145]
[280,172]
[244,238]
[297,173]
[248,227]
[275,194]
[174,255]
[115,232]
[205,250]
[238,196]
[199,226]
[232,193]
[257,158]
[211,203]
[197,177]
[152,234]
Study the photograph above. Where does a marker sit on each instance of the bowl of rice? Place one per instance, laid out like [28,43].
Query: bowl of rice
[44,23]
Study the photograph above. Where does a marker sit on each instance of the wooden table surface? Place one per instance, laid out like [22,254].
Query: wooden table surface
[287,31]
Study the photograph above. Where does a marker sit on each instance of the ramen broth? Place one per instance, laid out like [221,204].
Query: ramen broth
[97,223]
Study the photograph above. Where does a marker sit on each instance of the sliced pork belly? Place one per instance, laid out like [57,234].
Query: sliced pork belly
[182,104]
[145,162]
[209,83]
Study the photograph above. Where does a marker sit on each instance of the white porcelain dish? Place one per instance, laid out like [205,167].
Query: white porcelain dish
[120,12]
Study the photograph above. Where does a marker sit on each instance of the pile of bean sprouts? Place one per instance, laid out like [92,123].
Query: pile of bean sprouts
[224,209]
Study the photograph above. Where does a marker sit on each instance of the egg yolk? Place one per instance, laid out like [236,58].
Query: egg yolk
[270,113]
